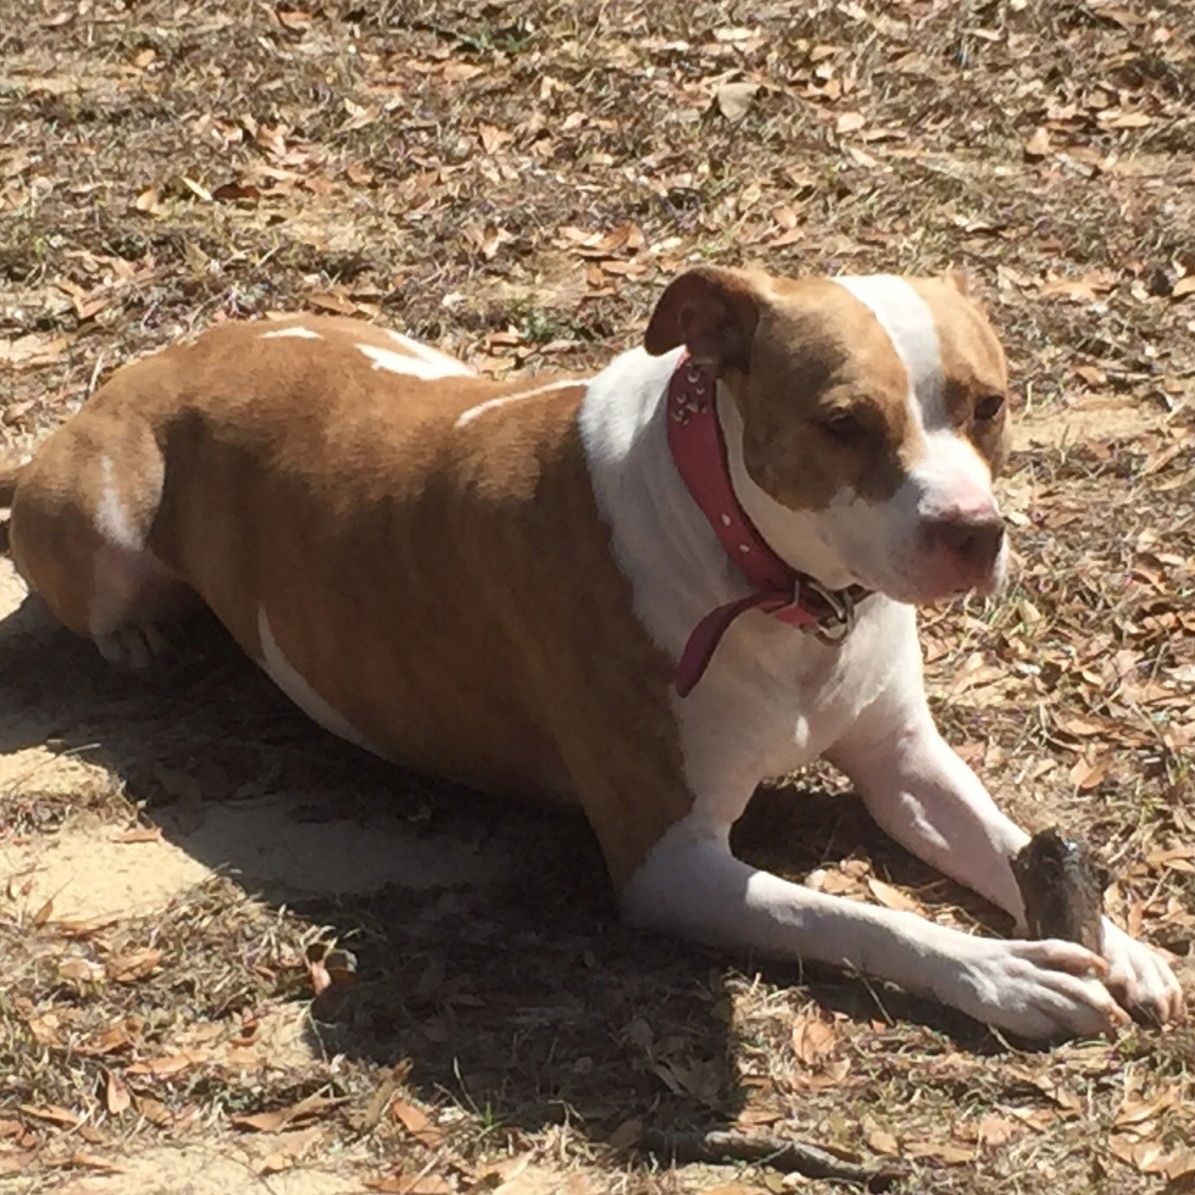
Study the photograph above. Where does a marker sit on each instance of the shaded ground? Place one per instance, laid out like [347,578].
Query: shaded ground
[515,181]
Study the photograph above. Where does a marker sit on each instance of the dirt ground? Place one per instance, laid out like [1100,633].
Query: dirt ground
[184,859]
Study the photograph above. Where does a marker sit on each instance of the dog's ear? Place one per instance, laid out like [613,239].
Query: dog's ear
[713,312]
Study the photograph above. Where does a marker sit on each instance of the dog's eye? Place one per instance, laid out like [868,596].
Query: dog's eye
[843,427]
[988,407]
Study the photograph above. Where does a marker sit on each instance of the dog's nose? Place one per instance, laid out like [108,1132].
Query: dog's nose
[975,540]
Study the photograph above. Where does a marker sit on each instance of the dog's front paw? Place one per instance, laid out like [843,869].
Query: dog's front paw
[1140,977]
[1043,989]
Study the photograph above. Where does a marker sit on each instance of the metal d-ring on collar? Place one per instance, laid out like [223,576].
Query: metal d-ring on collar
[839,623]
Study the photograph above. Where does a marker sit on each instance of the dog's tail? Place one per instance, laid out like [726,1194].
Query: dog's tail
[9,475]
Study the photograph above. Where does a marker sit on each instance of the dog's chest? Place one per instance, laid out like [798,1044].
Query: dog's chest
[775,698]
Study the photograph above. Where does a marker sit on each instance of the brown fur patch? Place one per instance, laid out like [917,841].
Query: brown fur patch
[449,591]
[819,355]
[973,364]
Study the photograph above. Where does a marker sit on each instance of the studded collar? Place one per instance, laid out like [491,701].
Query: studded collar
[698,449]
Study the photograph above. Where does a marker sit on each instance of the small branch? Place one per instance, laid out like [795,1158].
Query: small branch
[796,1156]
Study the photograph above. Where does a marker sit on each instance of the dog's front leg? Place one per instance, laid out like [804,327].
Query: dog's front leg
[924,796]
[691,883]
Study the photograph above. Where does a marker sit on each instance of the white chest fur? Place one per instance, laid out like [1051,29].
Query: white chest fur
[773,697]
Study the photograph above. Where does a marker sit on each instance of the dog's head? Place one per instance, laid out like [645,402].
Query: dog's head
[866,421]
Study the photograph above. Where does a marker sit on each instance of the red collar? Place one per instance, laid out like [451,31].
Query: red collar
[699,452]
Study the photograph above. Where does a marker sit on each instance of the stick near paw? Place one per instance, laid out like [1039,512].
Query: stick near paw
[1062,884]
[779,1153]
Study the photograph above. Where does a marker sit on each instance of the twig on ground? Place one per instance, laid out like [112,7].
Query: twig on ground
[799,1156]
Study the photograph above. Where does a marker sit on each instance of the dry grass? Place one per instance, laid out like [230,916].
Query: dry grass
[514,181]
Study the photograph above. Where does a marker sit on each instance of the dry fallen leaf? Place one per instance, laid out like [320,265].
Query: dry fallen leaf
[134,964]
[1180,1168]
[19,884]
[154,1111]
[87,304]
[891,897]
[1115,118]
[1074,290]
[16,1163]
[813,1039]
[81,970]
[233,192]
[755,1116]
[289,1148]
[89,1161]
[311,1108]
[734,99]
[417,1123]
[337,304]
[115,1037]
[941,1151]
[197,189]
[140,834]
[1134,1111]
[696,1077]
[1038,144]
[416,1184]
[149,202]
[32,350]
[883,1142]
[1088,774]
[492,138]
[1148,1156]
[52,1113]
[995,1130]
[169,1064]
[293,18]
[116,1094]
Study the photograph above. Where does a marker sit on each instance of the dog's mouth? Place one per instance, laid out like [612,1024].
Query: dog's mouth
[918,586]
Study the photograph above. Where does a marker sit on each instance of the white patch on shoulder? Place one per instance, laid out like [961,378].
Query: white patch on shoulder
[909,322]
[283,674]
[412,367]
[467,417]
[431,355]
[297,332]
[111,515]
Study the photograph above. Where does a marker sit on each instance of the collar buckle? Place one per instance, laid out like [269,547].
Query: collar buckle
[832,628]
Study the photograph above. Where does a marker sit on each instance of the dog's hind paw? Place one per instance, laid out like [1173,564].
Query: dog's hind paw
[134,647]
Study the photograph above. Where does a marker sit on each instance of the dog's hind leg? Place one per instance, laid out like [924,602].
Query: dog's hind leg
[9,474]
[81,521]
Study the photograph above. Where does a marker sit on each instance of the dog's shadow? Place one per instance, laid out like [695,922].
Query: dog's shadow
[488,948]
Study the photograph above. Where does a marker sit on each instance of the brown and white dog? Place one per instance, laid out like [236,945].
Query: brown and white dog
[644,591]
